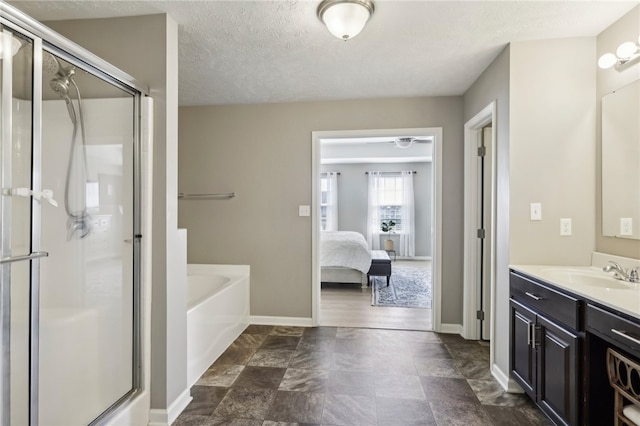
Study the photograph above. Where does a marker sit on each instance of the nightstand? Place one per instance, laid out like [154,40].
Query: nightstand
[391,251]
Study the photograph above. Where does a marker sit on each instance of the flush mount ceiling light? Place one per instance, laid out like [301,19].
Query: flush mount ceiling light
[408,141]
[345,18]
[627,54]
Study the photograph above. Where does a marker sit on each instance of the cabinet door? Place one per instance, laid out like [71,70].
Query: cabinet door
[522,357]
[557,364]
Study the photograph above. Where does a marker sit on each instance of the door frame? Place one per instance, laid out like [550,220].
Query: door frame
[472,133]
[436,210]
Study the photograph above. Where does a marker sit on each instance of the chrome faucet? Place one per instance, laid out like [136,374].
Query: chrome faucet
[620,273]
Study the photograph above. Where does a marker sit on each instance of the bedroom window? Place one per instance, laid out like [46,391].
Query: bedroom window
[390,193]
[391,198]
[329,201]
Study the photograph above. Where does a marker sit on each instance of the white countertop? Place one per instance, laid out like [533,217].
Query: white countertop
[623,300]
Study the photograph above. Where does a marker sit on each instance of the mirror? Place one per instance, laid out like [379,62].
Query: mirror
[621,162]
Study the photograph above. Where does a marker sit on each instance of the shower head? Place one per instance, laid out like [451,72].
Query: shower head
[50,64]
[60,84]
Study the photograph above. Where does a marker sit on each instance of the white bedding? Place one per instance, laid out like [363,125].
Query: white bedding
[344,249]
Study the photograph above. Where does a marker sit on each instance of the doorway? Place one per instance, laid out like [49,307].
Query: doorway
[479,226]
[375,141]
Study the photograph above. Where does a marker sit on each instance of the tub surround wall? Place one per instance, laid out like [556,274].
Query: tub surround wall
[263,153]
[626,28]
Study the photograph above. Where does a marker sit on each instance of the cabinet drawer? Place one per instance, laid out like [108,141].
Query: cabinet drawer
[551,303]
[614,328]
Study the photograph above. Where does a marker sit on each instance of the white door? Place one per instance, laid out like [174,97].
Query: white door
[484,209]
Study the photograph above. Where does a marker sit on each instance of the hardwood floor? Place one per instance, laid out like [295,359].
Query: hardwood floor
[350,306]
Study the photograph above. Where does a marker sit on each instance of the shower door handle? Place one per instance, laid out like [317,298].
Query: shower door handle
[31,256]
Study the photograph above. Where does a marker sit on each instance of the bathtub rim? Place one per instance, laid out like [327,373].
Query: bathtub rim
[205,268]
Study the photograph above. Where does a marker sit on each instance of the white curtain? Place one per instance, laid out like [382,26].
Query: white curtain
[373,213]
[332,201]
[408,235]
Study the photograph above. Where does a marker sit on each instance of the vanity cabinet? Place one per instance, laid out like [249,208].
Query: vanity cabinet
[615,328]
[546,347]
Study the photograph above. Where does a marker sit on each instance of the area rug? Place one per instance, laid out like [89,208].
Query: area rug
[409,288]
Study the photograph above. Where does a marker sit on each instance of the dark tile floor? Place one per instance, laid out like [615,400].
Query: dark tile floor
[352,376]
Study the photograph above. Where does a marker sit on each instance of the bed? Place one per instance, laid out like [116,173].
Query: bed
[344,258]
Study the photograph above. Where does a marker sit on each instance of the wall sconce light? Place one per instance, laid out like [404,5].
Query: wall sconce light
[345,18]
[627,54]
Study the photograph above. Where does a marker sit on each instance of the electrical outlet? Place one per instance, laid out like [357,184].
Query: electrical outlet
[626,226]
[565,226]
[535,211]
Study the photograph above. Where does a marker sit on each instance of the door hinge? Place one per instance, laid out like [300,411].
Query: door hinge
[481,233]
[482,151]
[480,315]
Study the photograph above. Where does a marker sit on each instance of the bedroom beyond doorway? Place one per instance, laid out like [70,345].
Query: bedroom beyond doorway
[341,306]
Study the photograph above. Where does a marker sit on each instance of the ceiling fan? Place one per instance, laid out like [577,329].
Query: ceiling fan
[406,142]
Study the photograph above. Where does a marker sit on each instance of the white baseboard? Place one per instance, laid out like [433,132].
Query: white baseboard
[450,329]
[161,417]
[507,383]
[285,321]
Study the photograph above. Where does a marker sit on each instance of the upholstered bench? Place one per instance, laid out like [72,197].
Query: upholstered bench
[380,265]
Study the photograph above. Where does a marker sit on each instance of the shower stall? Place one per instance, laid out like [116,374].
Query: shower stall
[70,230]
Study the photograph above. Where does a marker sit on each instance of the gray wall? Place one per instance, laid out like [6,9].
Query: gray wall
[545,153]
[552,150]
[353,198]
[493,85]
[120,41]
[263,153]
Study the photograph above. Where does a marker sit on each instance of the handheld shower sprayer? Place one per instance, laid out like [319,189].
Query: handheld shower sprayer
[60,85]
[78,222]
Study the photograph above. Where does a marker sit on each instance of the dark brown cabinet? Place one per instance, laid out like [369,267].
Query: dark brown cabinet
[545,353]
[523,353]
[557,378]
[558,347]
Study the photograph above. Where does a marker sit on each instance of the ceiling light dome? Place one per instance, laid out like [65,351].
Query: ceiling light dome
[345,19]
[404,142]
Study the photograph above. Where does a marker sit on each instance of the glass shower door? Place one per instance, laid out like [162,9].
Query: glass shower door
[16,88]
[69,236]
[87,283]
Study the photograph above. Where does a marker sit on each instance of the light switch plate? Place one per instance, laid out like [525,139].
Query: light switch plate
[626,226]
[565,226]
[304,210]
[536,211]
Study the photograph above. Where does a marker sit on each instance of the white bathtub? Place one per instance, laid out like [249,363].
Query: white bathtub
[217,313]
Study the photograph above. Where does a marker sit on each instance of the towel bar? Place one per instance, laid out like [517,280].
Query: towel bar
[182,196]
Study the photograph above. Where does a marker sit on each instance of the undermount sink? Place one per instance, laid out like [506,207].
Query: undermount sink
[587,277]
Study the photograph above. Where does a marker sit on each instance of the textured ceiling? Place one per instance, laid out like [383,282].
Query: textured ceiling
[235,52]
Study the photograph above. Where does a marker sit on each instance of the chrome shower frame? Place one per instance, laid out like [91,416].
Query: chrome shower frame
[45,39]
